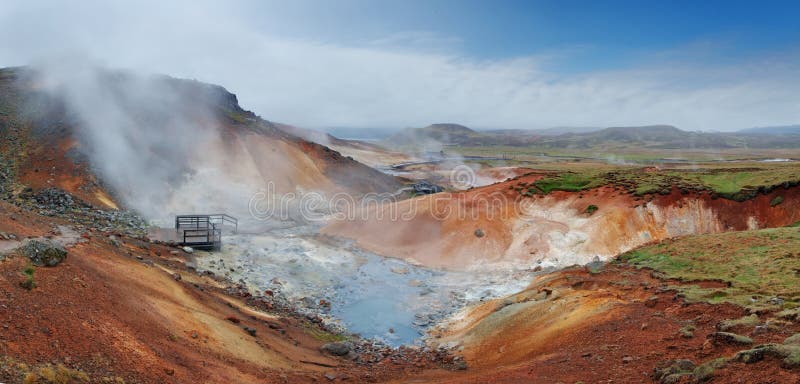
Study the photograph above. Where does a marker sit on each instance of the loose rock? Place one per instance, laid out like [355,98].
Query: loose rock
[337,348]
[729,338]
[43,253]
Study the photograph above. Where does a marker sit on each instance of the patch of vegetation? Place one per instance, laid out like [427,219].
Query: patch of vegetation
[570,182]
[241,117]
[755,269]
[48,374]
[788,352]
[749,321]
[58,374]
[591,209]
[28,272]
[704,372]
[687,331]
[776,201]
[321,334]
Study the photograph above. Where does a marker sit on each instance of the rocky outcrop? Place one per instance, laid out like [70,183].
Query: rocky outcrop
[43,253]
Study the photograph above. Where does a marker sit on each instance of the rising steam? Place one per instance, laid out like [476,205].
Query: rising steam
[155,141]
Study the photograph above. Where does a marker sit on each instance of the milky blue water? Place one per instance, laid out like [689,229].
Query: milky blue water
[372,296]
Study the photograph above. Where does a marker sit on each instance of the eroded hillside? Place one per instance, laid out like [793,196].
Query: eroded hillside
[505,225]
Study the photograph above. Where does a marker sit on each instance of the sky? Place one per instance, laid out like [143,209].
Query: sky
[698,65]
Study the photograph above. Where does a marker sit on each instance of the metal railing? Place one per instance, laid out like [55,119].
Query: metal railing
[223,218]
[204,231]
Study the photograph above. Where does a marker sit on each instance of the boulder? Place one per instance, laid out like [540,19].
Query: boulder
[674,378]
[793,340]
[426,188]
[729,338]
[43,253]
[705,372]
[671,371]
[337,348]
[757,354]
[750,321]
[788,352]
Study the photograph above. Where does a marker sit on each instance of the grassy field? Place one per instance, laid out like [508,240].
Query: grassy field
[753,267]
[733,180]
[625,155]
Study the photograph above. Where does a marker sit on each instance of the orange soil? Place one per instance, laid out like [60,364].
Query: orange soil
[612,326]
[49,166]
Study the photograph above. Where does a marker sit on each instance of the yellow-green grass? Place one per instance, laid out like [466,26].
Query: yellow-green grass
[738,181]
[621,154]
[752,266]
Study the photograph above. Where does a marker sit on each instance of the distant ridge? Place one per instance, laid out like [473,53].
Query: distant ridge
[776,130]
[443,133]
[649,136]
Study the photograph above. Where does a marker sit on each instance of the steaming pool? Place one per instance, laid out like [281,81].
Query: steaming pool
[369,295]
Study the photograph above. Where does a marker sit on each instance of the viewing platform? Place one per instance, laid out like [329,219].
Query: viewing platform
[203,231]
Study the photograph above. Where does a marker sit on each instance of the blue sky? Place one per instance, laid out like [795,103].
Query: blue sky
[700,65]
[585,35]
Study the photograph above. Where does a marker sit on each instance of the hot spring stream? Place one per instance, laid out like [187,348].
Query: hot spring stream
[369,295]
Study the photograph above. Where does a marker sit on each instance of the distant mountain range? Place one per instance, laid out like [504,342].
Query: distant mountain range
[777,130]
[652,136]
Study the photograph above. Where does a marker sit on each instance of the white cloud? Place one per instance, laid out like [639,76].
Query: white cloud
[406,79]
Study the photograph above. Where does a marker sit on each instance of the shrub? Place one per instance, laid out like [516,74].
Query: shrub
[28,283]
[591,209]
[776,201]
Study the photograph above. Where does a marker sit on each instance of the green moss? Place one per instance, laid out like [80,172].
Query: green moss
[793,340]
[321,334]
[749,321]
[705,372]
[687,331]
[789,353]
[571,182]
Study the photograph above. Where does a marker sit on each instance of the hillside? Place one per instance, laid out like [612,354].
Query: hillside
[156,144]
[665,306]
[364,152]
